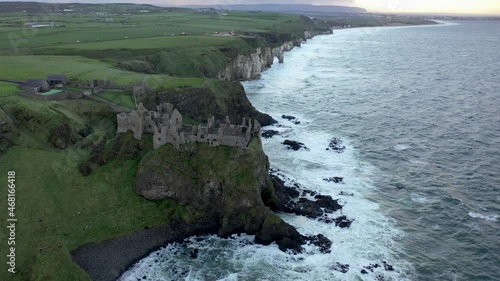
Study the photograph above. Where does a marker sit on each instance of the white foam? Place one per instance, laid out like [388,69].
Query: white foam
[401,147]
[492,218]
[421,199]
[372,237]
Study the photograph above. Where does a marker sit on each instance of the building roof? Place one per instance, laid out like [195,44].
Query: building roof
[37,83]
[58,77]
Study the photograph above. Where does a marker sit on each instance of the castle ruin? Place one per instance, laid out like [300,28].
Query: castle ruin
[166,126]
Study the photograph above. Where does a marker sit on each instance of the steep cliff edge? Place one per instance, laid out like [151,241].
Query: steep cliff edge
[248,67]
[227,185]
[215,98]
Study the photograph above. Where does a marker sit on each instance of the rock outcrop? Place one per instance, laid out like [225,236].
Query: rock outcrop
[249,67]
[225,184]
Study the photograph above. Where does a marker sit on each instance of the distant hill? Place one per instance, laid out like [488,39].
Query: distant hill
[285,8]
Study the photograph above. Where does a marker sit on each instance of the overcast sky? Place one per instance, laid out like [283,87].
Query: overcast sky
[396,6]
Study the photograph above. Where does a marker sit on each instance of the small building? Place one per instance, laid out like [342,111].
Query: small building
[56,80]
[40,86]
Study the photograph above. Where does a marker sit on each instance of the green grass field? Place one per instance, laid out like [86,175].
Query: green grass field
[78,27]
[164,43]
[38,67]
[125,99]
[8,89]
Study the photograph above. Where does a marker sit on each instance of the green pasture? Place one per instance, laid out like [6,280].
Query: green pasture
[38,67]
[79,27]
[125,99]
[7,89]
[164,43]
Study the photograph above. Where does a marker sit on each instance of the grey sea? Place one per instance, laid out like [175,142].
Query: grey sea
[418,109]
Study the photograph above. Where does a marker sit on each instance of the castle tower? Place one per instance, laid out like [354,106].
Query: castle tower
[135,124]
[123,123]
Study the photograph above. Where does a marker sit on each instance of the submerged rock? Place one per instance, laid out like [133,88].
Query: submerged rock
[288,117]
[295,145]
[269,134]
[287,200]
[387,266]
[322,242]
[344,268]
[336,145]
[343,193]
[334,179]
[342,221]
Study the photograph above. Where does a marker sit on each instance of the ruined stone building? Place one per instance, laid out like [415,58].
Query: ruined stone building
[166,126]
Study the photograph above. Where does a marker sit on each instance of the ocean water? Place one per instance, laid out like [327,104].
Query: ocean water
[418,109]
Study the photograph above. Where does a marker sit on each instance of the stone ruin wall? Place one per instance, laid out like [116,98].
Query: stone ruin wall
[166,126]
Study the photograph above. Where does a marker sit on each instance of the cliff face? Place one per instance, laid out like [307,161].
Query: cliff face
[248,67]
[224,185]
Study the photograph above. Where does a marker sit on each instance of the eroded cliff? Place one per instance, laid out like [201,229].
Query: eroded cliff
[226,185]
[248,67]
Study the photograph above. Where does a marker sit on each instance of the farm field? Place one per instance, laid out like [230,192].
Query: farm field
[38,67]
[84,28]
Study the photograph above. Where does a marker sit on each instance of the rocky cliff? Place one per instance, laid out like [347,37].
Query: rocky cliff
[248,67]
[226,185]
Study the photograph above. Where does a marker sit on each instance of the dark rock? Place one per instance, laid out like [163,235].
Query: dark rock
[194,254]
[371,266]
[310,192]
[334,179]
[380,277]
[274,230]
[343,222]
[344,268]
[61,136]
[288,117]
[85,132]
[322,242]
[328,203]
[343,193]
[364,271]
[399,185]
[295,145]
[336,145]
[286,201]
[387,266]
[296,122]
[269,134]
[308,208]
[282,126]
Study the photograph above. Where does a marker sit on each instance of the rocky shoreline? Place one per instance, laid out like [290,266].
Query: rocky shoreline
[109,259]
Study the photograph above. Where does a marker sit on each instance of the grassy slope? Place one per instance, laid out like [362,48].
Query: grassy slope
[8,89]
[59,209]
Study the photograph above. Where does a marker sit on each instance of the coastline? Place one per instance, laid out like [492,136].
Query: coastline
[108,260]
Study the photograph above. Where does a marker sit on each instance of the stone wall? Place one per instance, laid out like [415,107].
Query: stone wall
[166,126]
